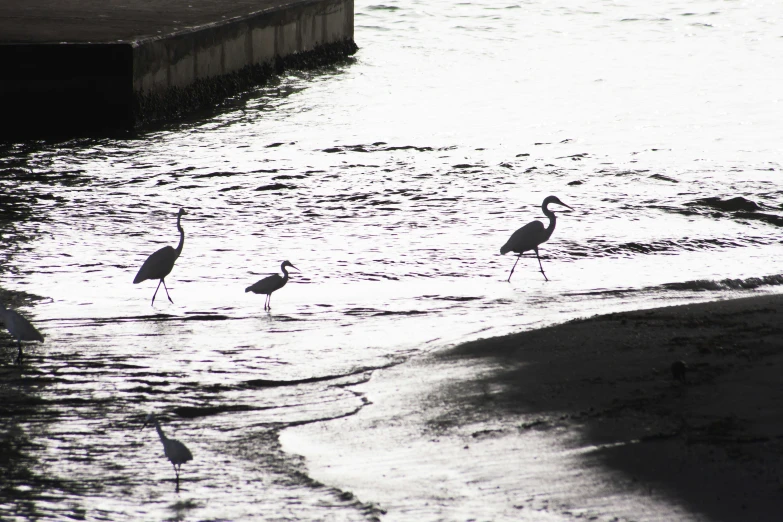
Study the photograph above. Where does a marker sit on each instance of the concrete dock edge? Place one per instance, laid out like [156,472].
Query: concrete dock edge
[70,88]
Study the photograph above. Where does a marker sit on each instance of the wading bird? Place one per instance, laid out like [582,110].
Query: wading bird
[159,264]
[174,450]
[532,235]
[19,327]
[269,284]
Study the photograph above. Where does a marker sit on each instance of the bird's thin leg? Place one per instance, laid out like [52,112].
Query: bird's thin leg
[176,472]
[156,292]
[513,267]
[167,290]
[540,266]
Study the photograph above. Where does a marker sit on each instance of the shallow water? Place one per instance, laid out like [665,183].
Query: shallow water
[390,180]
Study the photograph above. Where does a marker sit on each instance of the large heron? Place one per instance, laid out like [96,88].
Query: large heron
[174,450]
[160,263]
[269,284]
[532,235]
[19,327]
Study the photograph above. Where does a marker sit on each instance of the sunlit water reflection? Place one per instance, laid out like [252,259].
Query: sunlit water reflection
[390,181]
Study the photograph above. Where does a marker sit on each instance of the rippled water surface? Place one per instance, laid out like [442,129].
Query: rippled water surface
[390,180]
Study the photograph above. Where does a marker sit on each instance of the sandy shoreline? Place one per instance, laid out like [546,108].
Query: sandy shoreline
[583,419]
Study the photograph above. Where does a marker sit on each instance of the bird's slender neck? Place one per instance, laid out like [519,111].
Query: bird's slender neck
[552,219]
[181,236]
[159,430]
[285,272]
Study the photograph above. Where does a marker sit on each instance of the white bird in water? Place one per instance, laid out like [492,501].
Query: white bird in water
[159,264]
[19,327]
[269,284]
[532,235]
[174,450]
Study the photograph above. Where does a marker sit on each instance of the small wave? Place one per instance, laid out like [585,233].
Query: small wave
[727,284]
[377,313]
[454,298]
[215,175]
[375,147]
[664,178]
[382,7]
[730,205]
[275,186]
[740,207]
[191,412]
[363,373]
[402,312]
[601,248]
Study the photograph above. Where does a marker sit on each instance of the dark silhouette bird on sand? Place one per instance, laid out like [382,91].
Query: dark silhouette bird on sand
[174,450]
[159,264]
[19,327]
[532,235]
[269,284]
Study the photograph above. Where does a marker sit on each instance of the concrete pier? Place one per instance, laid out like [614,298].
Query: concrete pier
[73,66]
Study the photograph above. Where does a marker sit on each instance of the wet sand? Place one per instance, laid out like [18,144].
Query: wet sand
[584,419]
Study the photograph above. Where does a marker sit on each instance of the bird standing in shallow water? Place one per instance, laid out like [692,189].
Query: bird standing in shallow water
[19,327]
[159,264]
[174,450]
[532,235]
[269,284]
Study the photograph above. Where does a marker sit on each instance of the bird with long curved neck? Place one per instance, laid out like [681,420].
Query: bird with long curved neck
[269,284]
[19,327]
[174,450]
[532,235]
[159,264]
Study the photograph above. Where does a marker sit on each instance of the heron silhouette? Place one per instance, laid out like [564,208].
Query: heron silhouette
[159,264]
[530,236]
[174,450]
[19,328]
[269,284]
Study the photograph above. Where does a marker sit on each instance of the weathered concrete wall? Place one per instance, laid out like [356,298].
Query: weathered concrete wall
[177,61]
[61,88]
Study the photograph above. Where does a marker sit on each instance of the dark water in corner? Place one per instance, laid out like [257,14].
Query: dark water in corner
[391,181]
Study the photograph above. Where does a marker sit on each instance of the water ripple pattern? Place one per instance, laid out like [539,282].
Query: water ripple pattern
[390,180]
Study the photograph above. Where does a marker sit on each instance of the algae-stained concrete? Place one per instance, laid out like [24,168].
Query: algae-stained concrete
[71,66]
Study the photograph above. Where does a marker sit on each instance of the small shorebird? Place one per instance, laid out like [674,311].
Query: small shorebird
[159,264]
[19,327]
[532,235]
[269,284]
[174,450]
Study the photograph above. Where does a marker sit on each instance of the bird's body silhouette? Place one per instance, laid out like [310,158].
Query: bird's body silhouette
[530,236]
[159,264]
[174,450]
[269,284]
[20,328]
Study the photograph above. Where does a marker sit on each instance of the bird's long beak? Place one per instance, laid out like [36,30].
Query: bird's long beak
[145,425]
[566,206]
[292,266]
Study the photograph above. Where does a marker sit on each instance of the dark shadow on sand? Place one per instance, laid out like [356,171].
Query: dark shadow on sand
[713,441]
